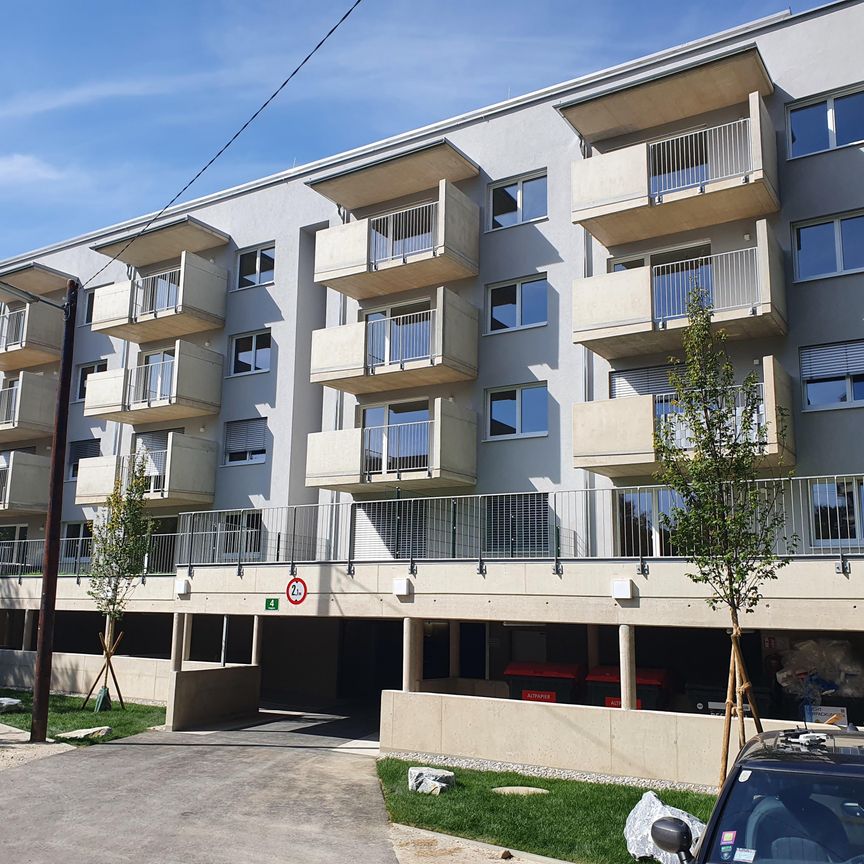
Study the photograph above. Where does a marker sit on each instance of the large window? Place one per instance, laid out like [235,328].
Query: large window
[518,412]
[78,450]
[245,441]
[833,375]
[250,353]
[514,201]
[829,246]
[84,372]
[85,306]
[256,267]
[518,304]
[838,511]
[833,121]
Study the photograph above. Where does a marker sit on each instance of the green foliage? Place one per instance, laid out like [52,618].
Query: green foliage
[121,538]
[711,448]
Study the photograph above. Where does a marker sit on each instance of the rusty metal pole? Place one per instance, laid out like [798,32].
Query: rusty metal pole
[51,555]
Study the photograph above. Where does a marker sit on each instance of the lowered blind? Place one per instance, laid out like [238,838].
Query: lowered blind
[244,435]
[639,382]
[153,442]
[87,449]
[832,361]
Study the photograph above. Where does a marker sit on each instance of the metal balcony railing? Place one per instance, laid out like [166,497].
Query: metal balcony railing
[400,339]
[157,293]
[12,325]
[155,468]
[151,382]
[730,280]
[396,448]
[9,404]
[397,235]
[4,483]
[697,158]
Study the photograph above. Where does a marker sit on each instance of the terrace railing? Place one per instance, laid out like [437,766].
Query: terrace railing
[397,235]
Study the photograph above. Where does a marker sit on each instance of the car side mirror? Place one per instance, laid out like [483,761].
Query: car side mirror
[673,835]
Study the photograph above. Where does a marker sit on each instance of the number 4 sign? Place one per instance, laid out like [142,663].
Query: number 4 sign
[296,591]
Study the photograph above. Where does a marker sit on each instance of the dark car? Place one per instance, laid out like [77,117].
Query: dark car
[792,796]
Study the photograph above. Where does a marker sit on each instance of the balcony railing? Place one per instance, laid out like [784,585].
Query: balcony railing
[395,236]
[400,339]
[156,293]
[701,157]
[9,404]
[12,328]
[396,448]
[151,382]
[155,468]
[729,279]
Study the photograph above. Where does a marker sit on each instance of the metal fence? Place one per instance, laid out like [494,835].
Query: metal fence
[12,328]
[157,293]
[155,468]
[730,280]
[151,382]
[400,338]
[404,232]
[685,161]
[9,403]
[396,448]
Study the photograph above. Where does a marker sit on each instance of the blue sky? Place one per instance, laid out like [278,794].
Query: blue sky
[106,109]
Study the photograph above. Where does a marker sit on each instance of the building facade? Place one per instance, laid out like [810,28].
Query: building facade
[423,377]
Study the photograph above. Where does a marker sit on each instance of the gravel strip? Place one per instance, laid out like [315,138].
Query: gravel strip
[538,771]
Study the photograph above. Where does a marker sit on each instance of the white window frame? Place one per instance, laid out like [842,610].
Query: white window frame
[254,334]
[828,98]
[258,459]
[261,247]
[857,518]
[519,388]
[838,245]
[519,180]
[87,294]
[94,369]
[537,277]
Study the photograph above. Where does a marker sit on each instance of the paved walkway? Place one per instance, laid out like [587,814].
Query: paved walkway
[293,788]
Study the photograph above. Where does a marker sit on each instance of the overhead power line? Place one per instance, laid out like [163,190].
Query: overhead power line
[230,141]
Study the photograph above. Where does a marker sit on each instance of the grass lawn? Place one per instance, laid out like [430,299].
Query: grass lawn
[577,821]
[65,714]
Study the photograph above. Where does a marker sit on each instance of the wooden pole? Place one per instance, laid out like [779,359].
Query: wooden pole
[739,699]
[747,686]
[727,723]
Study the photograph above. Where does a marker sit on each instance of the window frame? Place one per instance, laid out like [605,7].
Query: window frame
[848,377]
[70,464]
[260,460]
[231,358]
[836,222]
[261,247]
[89,297]
[829,99]
[79,371]
[519,180]
[857,520]
[518,388]
[522,280]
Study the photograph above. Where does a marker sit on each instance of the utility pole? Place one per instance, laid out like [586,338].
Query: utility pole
[51,555]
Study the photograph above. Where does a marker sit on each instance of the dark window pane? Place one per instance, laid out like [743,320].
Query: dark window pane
[262,352]
[635,535]
[858,388]
[632,264]
[88,307]
[502,413]
[535,414]
[809,128]
[409,412]
[243,356]
[833,511]
[534,296]
[849,118]
[248,270]
[829,391]
[816,252]
[502,302]
[504,206]
[268,264]
[533,198]
[852,238]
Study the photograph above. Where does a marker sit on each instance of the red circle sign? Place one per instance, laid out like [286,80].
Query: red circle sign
[296,591]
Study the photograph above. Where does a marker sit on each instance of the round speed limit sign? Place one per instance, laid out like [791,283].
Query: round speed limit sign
[296,591]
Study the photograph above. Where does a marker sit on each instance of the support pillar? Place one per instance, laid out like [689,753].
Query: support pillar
[224,652]
[627,649]
[455,645]
[29,623]
[177,642]
[257,634]
[593,645]
[412,654]
[187,635]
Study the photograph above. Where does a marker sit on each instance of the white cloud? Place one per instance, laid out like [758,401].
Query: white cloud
[22,169]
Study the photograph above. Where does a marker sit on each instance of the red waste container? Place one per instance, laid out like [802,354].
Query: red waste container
[603,685]
[544,682]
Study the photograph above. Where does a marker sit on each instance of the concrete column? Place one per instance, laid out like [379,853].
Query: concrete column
[593,645]
[187,635]
[627,649]
[412,654]
[30,616]
[224,651]
[257,625]
[455,666]
[177,642]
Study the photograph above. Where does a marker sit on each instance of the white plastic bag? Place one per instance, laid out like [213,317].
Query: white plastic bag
[637,829]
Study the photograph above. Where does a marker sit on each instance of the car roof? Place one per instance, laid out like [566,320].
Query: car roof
[802,749]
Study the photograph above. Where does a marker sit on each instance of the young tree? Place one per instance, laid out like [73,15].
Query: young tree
[121,538]
[723,519]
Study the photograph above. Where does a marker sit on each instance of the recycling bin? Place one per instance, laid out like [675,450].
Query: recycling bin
[545,682]
[603,685]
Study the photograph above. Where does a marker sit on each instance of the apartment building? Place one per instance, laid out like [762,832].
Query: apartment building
[398,405]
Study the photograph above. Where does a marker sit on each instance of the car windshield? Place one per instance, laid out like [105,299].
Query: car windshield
[790,817]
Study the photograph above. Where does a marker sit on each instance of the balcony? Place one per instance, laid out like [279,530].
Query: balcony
[30,336]
[27,408]
[185,382]
[426,244]
[182,475]
[416,349]
[644,309]
[615,437]
[177,302]
[435,453]
[684,182]
[23,483]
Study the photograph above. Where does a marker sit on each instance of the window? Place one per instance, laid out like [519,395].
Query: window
[833,375]
[829,247]
[245,441]
[87,449]
[838,511]
[251,353]
[84,372]
[515,201]
[644,522]
[256,267]
[396,437]
[76,542]
[516,412]
[831,122]
[518,304]
[87,306]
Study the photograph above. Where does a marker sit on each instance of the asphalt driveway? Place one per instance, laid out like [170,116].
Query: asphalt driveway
[290,788]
